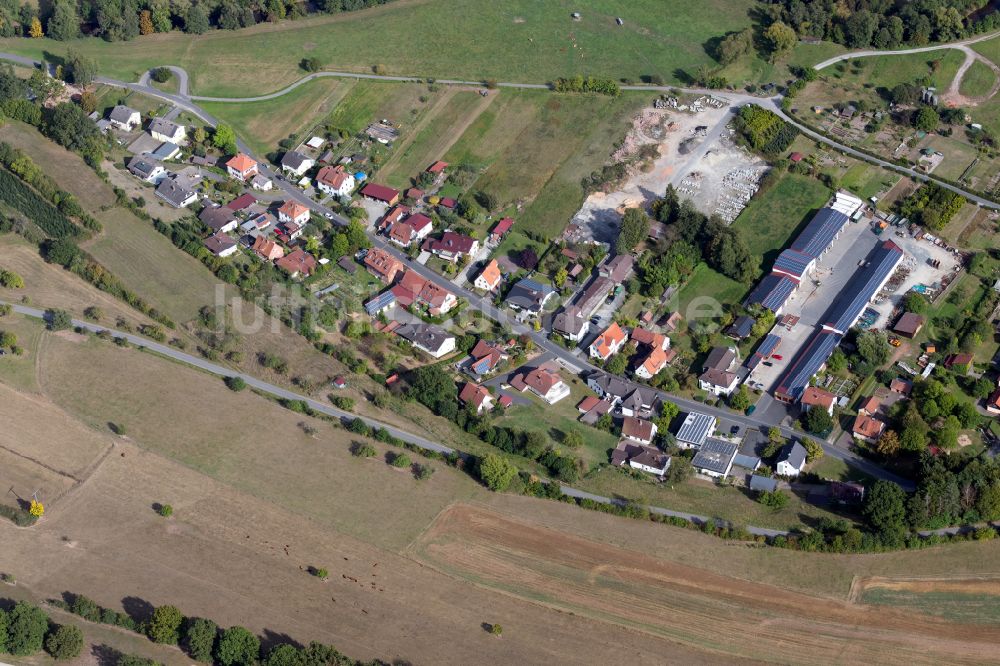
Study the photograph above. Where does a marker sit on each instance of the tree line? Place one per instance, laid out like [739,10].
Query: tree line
[124,20]
[204,641]
[26,630]
[861,24]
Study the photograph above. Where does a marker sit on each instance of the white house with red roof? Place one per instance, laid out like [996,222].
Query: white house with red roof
[490,278]
[242,167]
[608,342]
[294,212]
[335,181]
[452,246]
[411,230]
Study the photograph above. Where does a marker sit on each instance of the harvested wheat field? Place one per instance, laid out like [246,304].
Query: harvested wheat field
[682,602]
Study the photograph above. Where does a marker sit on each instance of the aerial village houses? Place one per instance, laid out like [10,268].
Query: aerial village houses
[658,352]
[792,460]
[219,219]
[476,396]
[695,430]
[528,298]
[489,279]
[221,245]
[428,338]
[718,375]
[814,397]
[296,163]
[608,343]
[294,213]
[500,230]
[297,263]
[383,265]
[242,167]
[146,171]
[165,130]
[643,458]
[267,249]
[452,246]
[412,229]
[484,358]
[544,381]
[715,458]
[638,430]
[335,181]
[125,118]
[177,190]
[414,290]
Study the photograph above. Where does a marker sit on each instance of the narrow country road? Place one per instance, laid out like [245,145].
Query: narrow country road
[961,45]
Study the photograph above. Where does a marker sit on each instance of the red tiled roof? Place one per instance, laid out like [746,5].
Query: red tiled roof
[502,227]
[437,167]
[866,426]
[814,396]
[292,209]
[242,202]
[379,192]
[242,163]
[637,428]
[334,176]
[588,403]
[299,261]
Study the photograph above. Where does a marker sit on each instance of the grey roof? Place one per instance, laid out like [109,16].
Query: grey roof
[293,159]
[715,455]
[610,384]
[590,298]
[771,292]
[219,243]
[746,462]
[175,189]
[570,321]
[216,217]
[528,294]
[696,428]
[141,167]
[763,483]
[741,328]
[720,358]
[427,336]
[794,454]
[639,399]
[121,114]
[164,126]
[165,150]
[820,232]
[862,287]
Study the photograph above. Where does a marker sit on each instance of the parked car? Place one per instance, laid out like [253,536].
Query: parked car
[777,357]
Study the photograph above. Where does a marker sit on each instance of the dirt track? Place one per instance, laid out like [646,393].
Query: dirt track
[686,603]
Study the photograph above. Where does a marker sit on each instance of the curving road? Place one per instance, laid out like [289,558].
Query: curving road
[961,45]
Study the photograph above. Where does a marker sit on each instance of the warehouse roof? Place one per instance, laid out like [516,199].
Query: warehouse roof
[771,292]
[820,232]
[793,263]
[806,364]
[764,350]
[862,287]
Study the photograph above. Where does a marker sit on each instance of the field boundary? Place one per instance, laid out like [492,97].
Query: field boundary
[862,584]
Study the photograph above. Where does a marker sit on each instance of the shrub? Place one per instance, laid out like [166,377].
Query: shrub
[199,639]
[136,660]
[161,74]
[165,510]
[86,608]
[362,450]
[66,642]
[58,320]
[26,627]
[775,499]
[496,472]
[424,472]
[321,573]
[400,460]
[165,625]
[237,647]
[235,383]
[11,280]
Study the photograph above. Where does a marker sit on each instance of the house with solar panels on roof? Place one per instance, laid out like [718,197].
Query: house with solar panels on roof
[695,430]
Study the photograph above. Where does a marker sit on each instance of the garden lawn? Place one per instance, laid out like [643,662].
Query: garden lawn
[977,81]
[558,419]
[516,40]
[263,124]
[771,219]
[707,283]
[866,180]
